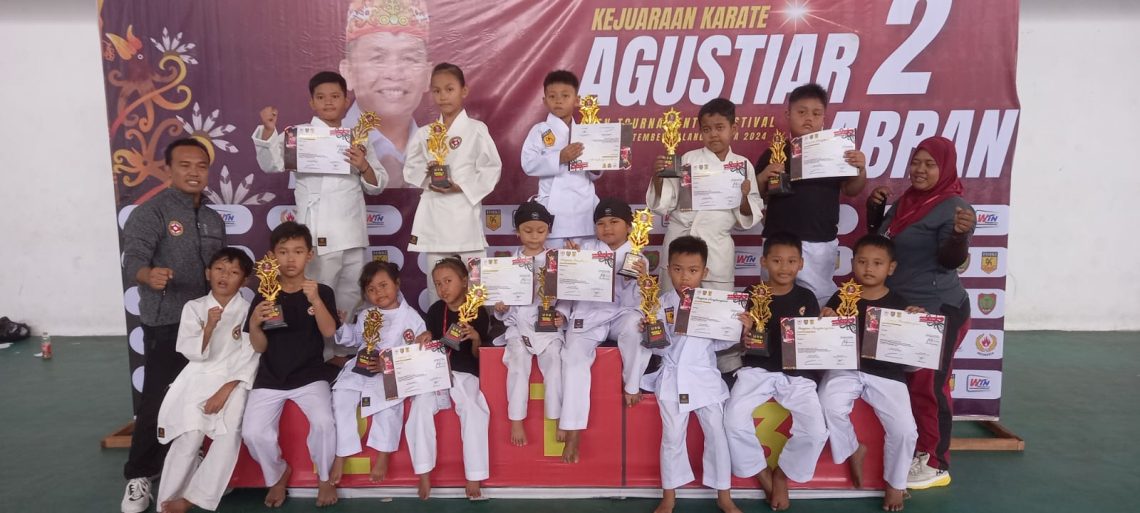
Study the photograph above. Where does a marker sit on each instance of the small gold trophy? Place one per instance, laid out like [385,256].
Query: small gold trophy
[268,271]
[373,321]
[368,121]
[588,108]
[439,172]
[468,311]
[654,335]
[849,295]
[779,184]
[638,239]
[670,138]
[546,313]
[756,339]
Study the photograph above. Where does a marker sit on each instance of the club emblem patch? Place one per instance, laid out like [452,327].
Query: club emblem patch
[454,142]
[409,336]
[548,138]
[236,332]
[175,228]
[312,311]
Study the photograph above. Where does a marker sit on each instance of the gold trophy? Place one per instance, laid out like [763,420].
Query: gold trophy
[849,295]
[268,271]
[756,339]
[671,137]
[439,172]
[588,108]
[368,121]
[468,311]
[638,239]
[779,184]
[546,313]
[373,321]
[654,335]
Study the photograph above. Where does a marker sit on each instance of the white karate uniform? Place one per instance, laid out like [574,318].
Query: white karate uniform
[689,382]
[262,423]
[712,226]
[401,325]
[332,207]
[523,344]
[818,274]
[474,421]
[181,420]
[568,195]
[753,387]
[891,401]
[590,324]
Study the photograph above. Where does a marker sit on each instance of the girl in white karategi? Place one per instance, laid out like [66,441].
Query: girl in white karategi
[380,286]
[689,382]
[449,221]
[207,398]
[533,223]
[717,120]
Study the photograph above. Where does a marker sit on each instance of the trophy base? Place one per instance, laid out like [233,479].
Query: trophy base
[627,268]
[674,170]
[654,336]
[546,321]
[440,176]
[756,343]
[274,323]
[452,339]
[780,186]
[363,360]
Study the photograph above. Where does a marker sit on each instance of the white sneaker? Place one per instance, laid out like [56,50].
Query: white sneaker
[136,498]
[922,476]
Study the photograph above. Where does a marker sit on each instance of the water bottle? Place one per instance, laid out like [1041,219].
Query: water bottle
[45,346]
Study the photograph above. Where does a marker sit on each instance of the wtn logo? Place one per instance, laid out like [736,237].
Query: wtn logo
[375,218]
[987,218]
[228,217]
[745,260]
[977,383]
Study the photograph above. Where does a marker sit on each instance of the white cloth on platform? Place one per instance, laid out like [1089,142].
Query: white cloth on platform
[262,425]
[891,401]
[568,195]
[474,420]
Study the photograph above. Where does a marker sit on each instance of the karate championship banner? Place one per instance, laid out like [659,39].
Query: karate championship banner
[898,71]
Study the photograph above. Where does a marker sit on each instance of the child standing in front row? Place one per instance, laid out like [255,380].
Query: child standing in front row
[450,278]
[533,224]
[208,396]
[764,377]
[689,382]
[380,285]
[448,221]
[881,384]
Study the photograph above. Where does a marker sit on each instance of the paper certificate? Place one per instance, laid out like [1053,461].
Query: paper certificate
[583,275]
[711,314]
[601,147]
[717,187]
[820,343]
[904,338]
[413,370]
[508,279]
[317,149]
[820,154]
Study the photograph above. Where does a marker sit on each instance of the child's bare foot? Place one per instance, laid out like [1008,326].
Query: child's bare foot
[855,462]
[632,399]
[779,498]
[276,495]
[337,470]
[474,490]
[176,506]
[893,499]
[424,487]
[380,468]
[724,502]
[570,451]
[518,434]
[326,494]
[765,478]
[559,435]
[668,501]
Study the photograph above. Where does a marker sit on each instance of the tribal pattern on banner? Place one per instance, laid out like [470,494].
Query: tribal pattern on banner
[898,71]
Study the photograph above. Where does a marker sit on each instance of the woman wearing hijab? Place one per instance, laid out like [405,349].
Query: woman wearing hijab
[931,225]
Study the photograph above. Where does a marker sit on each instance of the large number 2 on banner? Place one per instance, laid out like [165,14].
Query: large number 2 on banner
[890,77]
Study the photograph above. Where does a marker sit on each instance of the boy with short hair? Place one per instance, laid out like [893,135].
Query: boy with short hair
[881,384]
[717,120]
[330,205]
[764,377]
[208,397]
[811,212]
[292,367]
[592,322]
[547,153]
[689,382]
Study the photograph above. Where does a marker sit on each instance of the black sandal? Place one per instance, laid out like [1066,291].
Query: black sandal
[11,331]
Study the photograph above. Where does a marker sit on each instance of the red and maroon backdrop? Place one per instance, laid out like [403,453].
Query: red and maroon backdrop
[899,71]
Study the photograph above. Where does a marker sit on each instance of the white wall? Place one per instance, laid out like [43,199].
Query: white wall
[1073,243]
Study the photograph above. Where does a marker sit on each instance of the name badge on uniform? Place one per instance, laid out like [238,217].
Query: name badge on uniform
[669,315]
[578,324]
[365,402]
[684,398]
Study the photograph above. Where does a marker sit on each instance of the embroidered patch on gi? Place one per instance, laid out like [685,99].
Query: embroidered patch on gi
[669,315]
[548,138]
[236,332]
[454,142]
[409,336]
[321,241]
[161,433]
[684,398]
[175,228]
[365,402]
[526,341]
[414,239]
[312,311]
[578,323]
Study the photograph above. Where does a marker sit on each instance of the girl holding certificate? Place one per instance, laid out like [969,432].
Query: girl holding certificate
[930,225]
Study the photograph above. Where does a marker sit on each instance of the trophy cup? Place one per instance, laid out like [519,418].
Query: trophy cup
[756,339]
[638,239]
[546,313]
[849,295]
[654,335]
[671,137]
[368,121]
[373,321]
[588,108]
[468,311]
[779,184]
[268,271]
[439,172]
